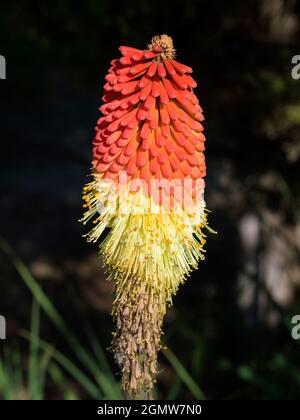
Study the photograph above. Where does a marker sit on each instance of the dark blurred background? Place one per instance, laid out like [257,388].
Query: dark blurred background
[229,332]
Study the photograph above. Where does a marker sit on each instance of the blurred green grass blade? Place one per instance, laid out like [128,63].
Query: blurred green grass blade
[174,389]
[33,285]
[183,374]
[38,368]
[34,388]
[43,368]
[8,375]
[17,363]
[84,356]
[107,386]
[69,366]
[114,387]
[97,349]
[11,376]
[197,360]
[5,388]
[59,380]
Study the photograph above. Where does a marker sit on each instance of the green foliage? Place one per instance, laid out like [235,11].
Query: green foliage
[44,361]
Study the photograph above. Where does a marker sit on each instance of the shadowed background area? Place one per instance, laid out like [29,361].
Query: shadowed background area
[229,332]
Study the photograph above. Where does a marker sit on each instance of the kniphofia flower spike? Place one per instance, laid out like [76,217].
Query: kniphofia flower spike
[147,193]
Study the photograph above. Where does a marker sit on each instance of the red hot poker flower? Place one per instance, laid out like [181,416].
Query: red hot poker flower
[148,171]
